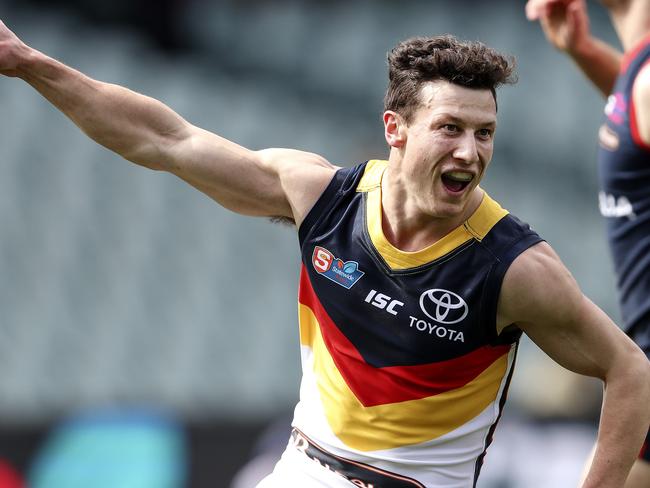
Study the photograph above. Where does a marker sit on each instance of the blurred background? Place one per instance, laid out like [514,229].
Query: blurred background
[148,332]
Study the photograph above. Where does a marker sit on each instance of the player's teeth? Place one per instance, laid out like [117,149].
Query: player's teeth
[460,176]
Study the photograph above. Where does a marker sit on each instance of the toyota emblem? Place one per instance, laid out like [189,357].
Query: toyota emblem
[443,306]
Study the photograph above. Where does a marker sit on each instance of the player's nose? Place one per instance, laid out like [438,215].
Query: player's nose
[466,150]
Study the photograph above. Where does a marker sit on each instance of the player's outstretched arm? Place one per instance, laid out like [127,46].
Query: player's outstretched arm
[274,182]
[541,298]
[566,26]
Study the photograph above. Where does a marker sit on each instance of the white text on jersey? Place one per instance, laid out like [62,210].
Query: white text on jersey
[383,302]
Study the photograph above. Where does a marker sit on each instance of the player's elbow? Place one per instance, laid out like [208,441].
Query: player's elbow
[145,155]
[641,382]
[643,372]
[633,369]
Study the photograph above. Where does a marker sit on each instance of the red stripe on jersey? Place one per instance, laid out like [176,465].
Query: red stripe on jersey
[632,53]
[378,386]
[634,128]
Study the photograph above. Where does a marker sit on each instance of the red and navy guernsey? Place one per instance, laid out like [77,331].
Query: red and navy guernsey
[624,169]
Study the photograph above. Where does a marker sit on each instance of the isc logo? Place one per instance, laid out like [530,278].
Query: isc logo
[383,302]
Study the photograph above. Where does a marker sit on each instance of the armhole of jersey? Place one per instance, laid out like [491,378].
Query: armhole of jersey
[495,280]
[634,128]
[327,199]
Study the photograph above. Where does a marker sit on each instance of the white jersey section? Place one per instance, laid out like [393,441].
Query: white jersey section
[445,462]
[295,469]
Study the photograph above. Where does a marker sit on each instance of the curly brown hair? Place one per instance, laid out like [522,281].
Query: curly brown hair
[418,60]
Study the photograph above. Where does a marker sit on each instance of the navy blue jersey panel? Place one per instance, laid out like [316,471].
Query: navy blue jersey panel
[624,168]
[436,311]
[507,240]
[343,179]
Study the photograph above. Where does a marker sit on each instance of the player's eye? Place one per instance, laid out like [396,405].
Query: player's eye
[485,133]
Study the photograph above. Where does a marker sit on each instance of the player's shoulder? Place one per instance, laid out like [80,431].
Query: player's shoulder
[299,170]
[303,175]
[538,257]
[537,285]
[284,159]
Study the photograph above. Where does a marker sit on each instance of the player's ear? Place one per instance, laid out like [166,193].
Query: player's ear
[394,129]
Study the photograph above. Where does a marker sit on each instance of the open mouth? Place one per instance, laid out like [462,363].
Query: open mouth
[456,181]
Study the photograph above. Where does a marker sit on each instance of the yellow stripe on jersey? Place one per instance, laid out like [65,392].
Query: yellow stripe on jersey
[397,424]
[372,175]
[477,226]
[484,218]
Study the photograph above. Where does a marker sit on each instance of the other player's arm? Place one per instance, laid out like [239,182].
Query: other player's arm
[566,26]
[272,182]
[541,298]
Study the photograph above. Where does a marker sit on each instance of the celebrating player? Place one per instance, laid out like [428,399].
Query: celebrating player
[415,285]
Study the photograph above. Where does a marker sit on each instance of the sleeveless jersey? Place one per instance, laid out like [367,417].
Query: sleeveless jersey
[402,366]
[624,168]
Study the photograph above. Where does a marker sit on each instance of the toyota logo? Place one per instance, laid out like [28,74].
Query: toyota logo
[443,306]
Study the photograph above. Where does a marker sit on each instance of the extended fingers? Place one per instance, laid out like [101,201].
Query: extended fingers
[538,9]
[578,19]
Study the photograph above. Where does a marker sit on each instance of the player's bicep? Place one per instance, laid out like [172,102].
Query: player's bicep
[244,181]
[541,298]
[231,174]
[587,342]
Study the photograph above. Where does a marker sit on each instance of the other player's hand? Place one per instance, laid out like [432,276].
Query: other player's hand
[564,22]
[12,51]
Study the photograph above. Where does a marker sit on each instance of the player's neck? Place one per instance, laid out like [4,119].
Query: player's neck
[632,23]
[411,230]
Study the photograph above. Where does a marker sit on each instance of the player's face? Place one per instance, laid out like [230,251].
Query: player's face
[449,143]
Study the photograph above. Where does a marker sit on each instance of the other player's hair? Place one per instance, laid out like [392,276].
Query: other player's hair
[418,60]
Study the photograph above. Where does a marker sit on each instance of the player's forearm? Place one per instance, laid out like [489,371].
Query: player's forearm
[135,126]
[599,61]
[624,422]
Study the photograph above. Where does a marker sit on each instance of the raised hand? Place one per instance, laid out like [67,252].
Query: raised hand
[564,22]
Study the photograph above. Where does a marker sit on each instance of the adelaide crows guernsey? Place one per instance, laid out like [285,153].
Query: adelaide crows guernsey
[402,367]
[624,167]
